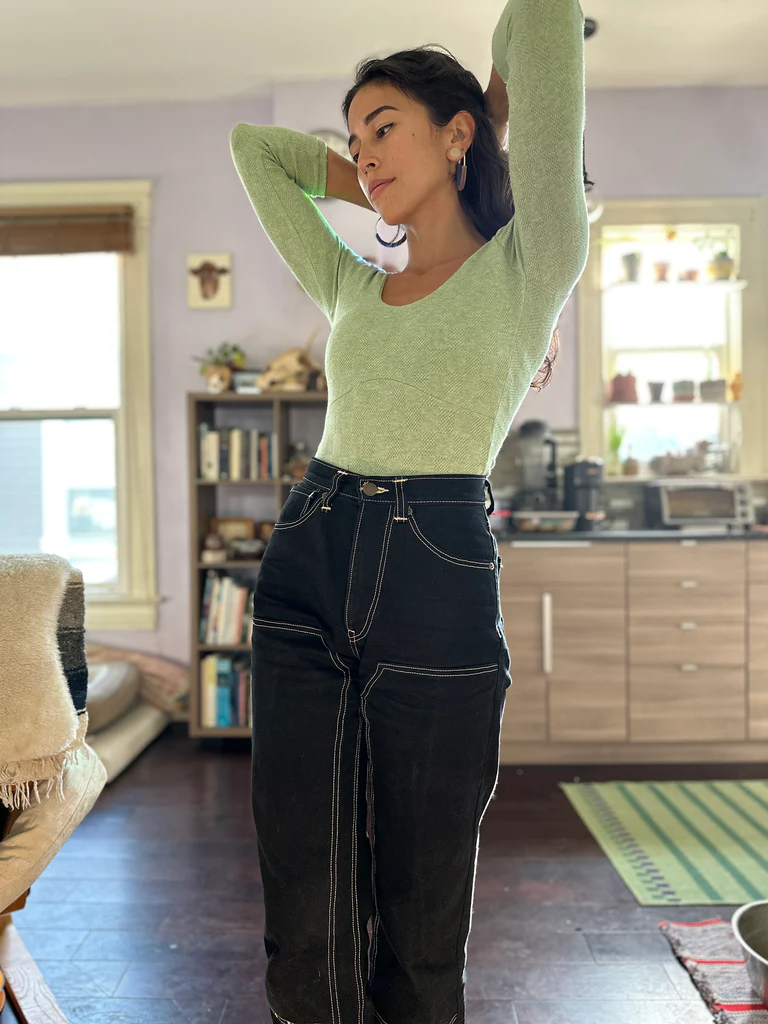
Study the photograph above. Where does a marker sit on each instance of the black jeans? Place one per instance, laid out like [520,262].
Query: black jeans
[380,671]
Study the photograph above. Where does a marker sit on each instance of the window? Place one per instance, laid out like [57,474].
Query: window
[672,375]
[75,435]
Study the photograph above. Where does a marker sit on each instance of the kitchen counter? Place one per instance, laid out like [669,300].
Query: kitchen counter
[635,646]
[606,536]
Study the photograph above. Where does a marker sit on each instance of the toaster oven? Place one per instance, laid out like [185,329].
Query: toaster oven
[687,502]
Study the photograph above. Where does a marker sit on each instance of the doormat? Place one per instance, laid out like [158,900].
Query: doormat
[681,843]
[715,961]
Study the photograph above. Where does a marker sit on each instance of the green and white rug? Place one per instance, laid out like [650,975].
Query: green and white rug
[681,843]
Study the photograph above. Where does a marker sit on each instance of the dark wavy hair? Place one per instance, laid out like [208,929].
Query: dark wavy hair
[440,83]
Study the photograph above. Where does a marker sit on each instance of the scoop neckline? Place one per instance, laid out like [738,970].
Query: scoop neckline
[417,302]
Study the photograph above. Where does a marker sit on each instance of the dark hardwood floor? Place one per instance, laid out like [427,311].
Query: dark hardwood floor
[151,913]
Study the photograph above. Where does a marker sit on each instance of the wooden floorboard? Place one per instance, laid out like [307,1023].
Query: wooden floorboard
[29,1000]
[152,912]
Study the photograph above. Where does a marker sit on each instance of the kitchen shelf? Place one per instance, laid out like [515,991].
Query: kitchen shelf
[704,477]
[664,405]
[734,285]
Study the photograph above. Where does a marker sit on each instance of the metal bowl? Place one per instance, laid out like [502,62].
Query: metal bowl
[750,926]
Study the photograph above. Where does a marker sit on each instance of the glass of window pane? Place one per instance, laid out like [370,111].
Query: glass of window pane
[57,492]
[60,326]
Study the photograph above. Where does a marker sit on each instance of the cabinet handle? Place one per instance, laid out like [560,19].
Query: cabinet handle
[546,633]
[689,668]
[689,584]
[688,625]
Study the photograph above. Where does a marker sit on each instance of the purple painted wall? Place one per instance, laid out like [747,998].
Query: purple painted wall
[702,142]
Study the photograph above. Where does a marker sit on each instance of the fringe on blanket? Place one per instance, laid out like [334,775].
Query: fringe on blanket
[46,773]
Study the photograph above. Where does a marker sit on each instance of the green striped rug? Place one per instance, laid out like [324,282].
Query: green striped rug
[682,843]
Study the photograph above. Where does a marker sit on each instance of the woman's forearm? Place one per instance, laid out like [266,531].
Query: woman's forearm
[342,183]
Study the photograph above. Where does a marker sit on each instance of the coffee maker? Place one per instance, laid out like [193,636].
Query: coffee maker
[535,463]
[583,483]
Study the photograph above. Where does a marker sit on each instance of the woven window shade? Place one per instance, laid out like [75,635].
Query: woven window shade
[40,231]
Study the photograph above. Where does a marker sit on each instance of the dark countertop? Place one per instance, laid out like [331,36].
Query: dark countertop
[538,537]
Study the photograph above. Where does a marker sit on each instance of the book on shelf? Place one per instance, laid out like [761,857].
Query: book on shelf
[236,453]
[226,615]
[225,686]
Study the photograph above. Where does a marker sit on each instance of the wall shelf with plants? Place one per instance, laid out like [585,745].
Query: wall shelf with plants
[671,339]
[672,316]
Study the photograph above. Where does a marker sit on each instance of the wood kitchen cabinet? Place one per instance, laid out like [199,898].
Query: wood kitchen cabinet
[564,614]
[636,651]
[757,640]
[687,641]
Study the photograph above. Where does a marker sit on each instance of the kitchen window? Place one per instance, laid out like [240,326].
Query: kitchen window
[672,342]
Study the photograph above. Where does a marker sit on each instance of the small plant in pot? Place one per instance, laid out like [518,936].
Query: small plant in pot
[217,366]
[720,267]
[616,435]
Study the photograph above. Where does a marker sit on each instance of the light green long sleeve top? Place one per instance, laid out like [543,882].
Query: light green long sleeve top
[433,386]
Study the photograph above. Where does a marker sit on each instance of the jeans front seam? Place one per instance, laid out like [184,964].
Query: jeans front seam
[334,858]
[376,916]
[383,556]
[353,554]
[359,981]
[472,871]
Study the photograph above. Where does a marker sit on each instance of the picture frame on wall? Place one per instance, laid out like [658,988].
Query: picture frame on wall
[209,280]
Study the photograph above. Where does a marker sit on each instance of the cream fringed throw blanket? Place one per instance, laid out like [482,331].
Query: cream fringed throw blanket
[43,675]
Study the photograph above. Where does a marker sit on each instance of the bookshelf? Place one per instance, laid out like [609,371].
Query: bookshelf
[268,412]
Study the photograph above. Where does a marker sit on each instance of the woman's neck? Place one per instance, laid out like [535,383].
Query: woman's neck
[441,233]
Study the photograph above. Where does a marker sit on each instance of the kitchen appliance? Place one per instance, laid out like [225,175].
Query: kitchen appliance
[750,926]
[535,467]
[690,502]
[583,492]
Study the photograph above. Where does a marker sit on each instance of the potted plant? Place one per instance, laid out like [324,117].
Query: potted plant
[623,388]
[720,267]
[217,366]
[616,435]
[631,261]
[661,272]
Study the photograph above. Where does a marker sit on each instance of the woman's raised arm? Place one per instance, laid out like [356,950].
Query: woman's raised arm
[538,51]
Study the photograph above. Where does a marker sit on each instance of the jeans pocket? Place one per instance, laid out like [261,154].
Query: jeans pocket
[456,532]
[303,501]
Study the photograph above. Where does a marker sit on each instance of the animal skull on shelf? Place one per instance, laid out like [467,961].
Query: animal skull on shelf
[292,369]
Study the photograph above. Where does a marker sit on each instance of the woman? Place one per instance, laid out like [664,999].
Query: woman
[379,661]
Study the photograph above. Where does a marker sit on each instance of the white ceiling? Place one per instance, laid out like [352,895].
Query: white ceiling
[123,51]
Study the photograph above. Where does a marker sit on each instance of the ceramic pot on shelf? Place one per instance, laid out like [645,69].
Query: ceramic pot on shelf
[631,262]
[623,388]
[721,267]
[218,378]
[660,272]
[713,390]
[684,390]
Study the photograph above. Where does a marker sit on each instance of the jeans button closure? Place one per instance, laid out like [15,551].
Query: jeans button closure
[369,488]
